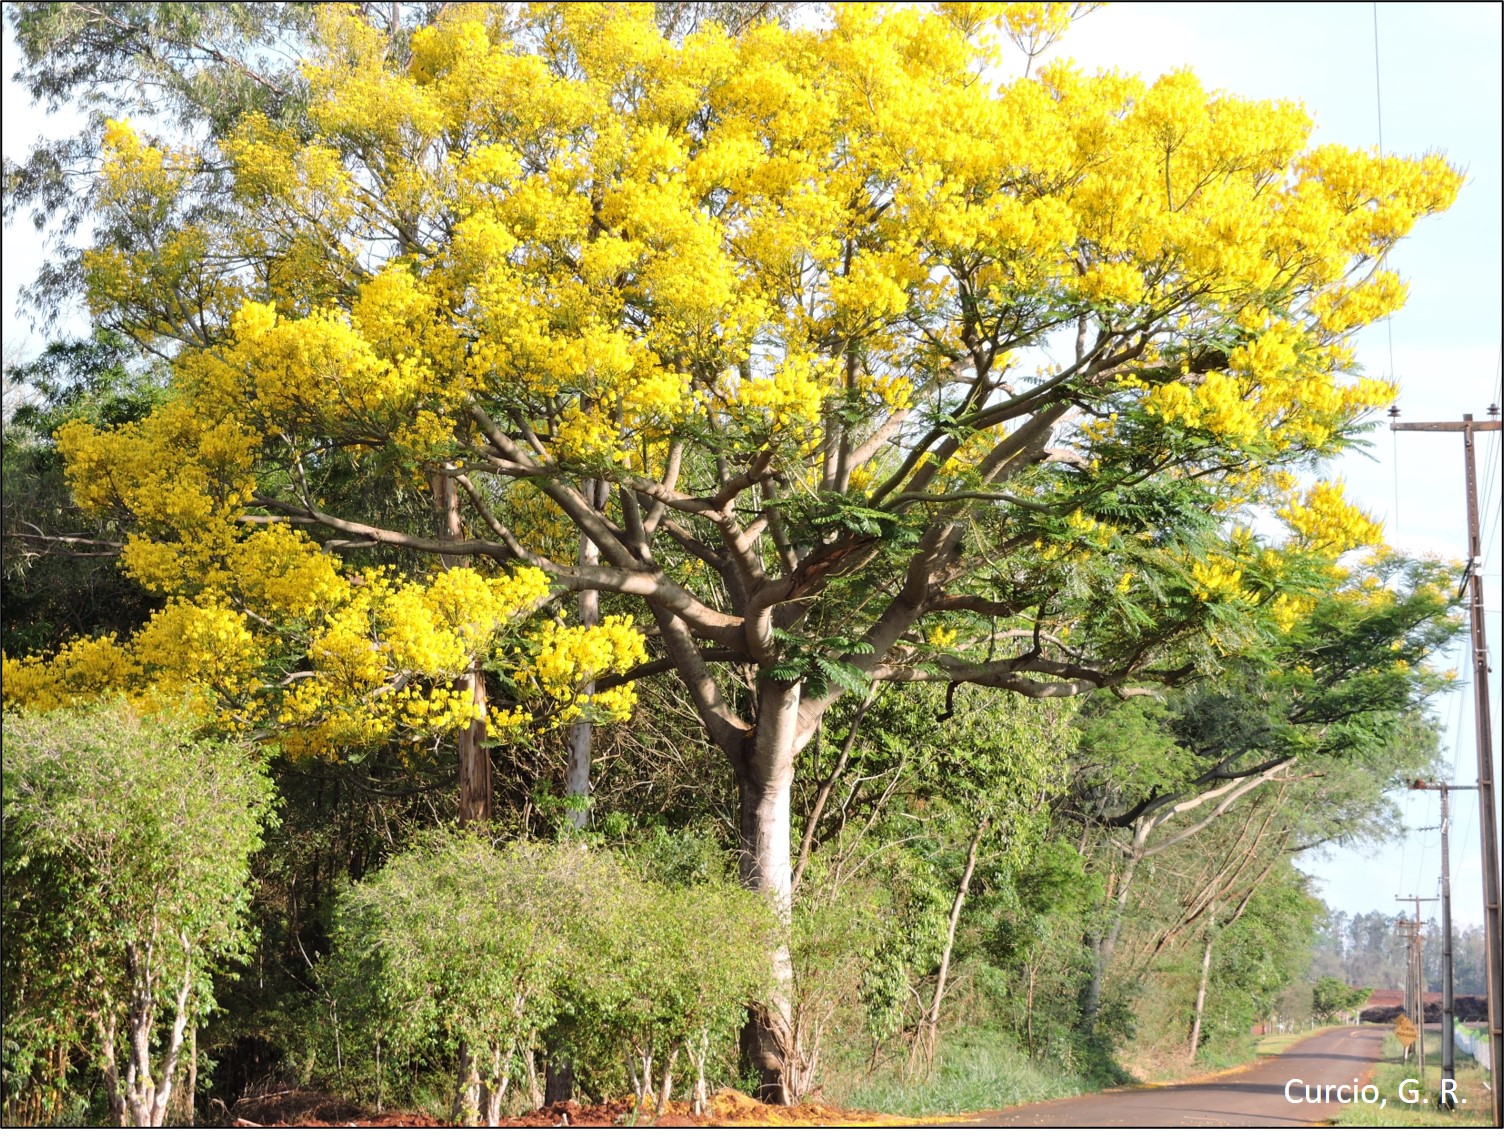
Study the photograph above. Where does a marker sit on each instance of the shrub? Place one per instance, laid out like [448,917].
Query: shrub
[471,955]
[127,842]
[449,952]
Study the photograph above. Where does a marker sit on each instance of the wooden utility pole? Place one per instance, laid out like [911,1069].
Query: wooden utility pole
[1488,826]
[1448,994]
[1418,975]
[1408,929]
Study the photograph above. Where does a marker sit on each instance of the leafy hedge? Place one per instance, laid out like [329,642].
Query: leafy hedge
[477,957]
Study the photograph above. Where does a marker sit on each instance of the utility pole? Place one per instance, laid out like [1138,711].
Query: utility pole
[1418,972]
[1407,928]
[1488,826]
[1448,994]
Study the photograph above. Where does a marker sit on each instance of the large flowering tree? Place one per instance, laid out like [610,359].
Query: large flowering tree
[842,360]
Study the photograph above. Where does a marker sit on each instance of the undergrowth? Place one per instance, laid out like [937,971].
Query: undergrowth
[976,1070]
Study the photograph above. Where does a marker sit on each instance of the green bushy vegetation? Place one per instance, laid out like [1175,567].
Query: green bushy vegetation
[976,1069]
[127,847]
[592,474]
[467,956]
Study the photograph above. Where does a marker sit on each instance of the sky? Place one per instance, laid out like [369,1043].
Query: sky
[1416,78]
[1430,83]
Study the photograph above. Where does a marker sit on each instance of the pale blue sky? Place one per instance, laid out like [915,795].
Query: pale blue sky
[1438,72]
[1438,80]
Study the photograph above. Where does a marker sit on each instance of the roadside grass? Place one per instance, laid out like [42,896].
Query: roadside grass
[975,1070]
[1395,1113]
[1275,1043]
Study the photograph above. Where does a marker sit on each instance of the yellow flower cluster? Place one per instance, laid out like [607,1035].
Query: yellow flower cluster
[942,637]
[1280,384]
[569,657]
[386,656]
[792,397]
[199,649]
[1289,611]
[82,670]
[1088,529]
[174,471]
[1216,404]
[1218,579]
[1324,519]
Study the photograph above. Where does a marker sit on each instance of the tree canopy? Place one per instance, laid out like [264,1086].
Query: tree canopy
[848,361]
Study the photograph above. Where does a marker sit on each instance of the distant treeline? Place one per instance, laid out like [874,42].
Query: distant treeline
[1367,950]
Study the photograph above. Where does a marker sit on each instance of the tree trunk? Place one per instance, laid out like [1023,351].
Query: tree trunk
[558,1081]
[766,776]
[192,1076]
[666,1086]
[475,758]
[558,1078]
[105,1023]
[577,771]
[1206,969]
[929,1029]
[1029,1006]
[494,1090]
[1105,946]
[467,1090]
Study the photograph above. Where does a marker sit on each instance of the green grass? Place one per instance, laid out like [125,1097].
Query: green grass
[1274,1043]
[1388,1074]
[976,1070]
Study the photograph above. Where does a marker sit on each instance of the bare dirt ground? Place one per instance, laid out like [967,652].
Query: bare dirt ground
[304,1108]
[1252,1095]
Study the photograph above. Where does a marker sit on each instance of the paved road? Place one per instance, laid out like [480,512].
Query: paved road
[1254,1096]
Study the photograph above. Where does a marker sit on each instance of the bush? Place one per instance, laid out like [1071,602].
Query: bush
[127,843]
[473,956]
[1331,998]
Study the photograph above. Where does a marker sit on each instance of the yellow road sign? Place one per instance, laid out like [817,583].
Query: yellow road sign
[1404,1030]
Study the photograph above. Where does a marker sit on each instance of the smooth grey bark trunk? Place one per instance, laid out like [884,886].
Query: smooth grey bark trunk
[1206,969]
[1105,946]
[140,1099]
[577,771]
[558,1078]
[765,781]
[475,759]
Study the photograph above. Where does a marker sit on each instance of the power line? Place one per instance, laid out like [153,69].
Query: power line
[1493,459]
[1378,98]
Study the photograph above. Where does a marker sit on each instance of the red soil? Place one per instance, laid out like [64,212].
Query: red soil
[304,1108]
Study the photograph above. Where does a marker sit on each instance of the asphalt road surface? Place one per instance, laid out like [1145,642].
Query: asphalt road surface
[1253,1096]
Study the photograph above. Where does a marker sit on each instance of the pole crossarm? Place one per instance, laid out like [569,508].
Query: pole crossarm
[1445,427]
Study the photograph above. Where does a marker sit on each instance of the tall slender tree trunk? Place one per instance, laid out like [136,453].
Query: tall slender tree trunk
[577,771]
[765,780]
[1206,969]
[925,1041]
[558,1077]
[1105,945]
[474,758]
